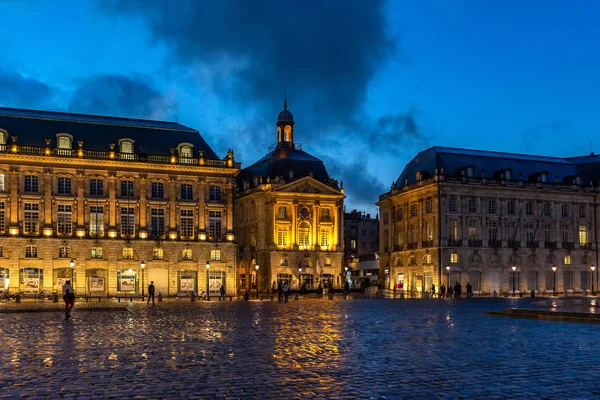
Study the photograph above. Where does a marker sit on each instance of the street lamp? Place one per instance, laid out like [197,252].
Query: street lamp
[554,287]
[448,270]
[387,279]
[143,265]
[593,268]
[72,263]
[514,268]
[257,267]
[299,277]
[207,268]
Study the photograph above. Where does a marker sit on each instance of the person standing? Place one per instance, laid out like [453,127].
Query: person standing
[222,292]
[279,291]
[457,290]
[150,292]
[286,289]
[432,290]
[469,290]
[442,291]
[68,298]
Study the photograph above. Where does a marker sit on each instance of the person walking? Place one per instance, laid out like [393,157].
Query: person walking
[432,290]
[150,292]
[457,290]
[279,291]
[222,292]
[469,290]
[442,291]
[286,289]
[68,298]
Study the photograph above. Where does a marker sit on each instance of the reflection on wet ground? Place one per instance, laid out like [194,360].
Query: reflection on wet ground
[313,348]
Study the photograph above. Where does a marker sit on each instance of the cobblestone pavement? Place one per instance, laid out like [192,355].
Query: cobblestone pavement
[310,348]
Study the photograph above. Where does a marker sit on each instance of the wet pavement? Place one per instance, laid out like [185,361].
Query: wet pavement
[317,348]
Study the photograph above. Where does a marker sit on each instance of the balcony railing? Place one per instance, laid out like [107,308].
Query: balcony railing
[411,246]
[495,243]
[475,243]
[454,243]
[398,247]
[568,245]
[515,244]
[550,245]
[587,246]
[110,155]
[427,243]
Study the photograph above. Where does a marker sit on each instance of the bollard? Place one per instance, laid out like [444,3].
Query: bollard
[532,292]
[295,296]
[193,297]
[246,296]
[159,296]
[17,298]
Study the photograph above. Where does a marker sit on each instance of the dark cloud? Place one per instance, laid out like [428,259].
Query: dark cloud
[20,91]
[530,137]
[120,95]
[332,49]
[396,132]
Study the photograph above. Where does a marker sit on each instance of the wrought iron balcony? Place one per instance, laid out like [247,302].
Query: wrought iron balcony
[412,246]
[398,247]
[495,243]
[533,244]
[550,245]
[568,245]
[475,243]
[515,244]
[454,243]
[427,243]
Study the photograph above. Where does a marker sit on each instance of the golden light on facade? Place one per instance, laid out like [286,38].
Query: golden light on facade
[173,160]
[143,235]
[80,153]
[173,235]
[112,233]
[202,236]
[14,148]
[14,231]
[80,233]
[230,237]
[47,232]
[48,151]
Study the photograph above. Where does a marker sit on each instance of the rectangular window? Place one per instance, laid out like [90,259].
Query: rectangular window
[158,190]
[511,230]
[363,233]
[452,204]
[412,233]
[186,224]
[566,233]
[2,216]
[472,230]
[127,189]
[214,224]
[585,280]
[128,253]
[428,206]
[400,214]
[31,218]
[400,236]
[96,187]
[157,222]
[353,244]
[529,232]
[215,193]
[64,142]
[532,281]
[492,207]
[64,223]
[97,220]
[492,230]
[472,205]
[454,258]
[127,221]
[547,232]
[510,207]
[64,185]
[454,231]
[96,252]
[158,253]
[186,192]
[564,211]
[386,218]
[583,235]
[1,182]
[546,210]
[325,214]
[413,210]
[282,212]
[31,184]
[529,208]
[567,280]
[581,211]
[324,238]
[282,236]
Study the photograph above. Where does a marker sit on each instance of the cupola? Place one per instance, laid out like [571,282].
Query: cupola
[285,128]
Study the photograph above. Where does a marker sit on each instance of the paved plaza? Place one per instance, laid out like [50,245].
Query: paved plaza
[309,348]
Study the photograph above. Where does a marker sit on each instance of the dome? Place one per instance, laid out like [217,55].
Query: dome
[285,116]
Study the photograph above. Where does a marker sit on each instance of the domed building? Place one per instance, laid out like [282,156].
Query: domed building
[289,218]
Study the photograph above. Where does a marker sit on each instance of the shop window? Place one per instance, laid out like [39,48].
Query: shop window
[127,280]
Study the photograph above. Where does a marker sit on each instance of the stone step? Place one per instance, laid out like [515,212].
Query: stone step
[545,315]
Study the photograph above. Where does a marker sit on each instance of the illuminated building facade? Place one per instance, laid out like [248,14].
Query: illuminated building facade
[289,218]
[109,193]
[499,221]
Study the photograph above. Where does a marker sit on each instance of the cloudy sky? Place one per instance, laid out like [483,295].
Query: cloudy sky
[370,83]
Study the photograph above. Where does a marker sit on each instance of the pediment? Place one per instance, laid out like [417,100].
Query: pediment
[308,185]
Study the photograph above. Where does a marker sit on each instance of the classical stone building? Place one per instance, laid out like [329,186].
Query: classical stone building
[89,198]
[289,217]
[475,216]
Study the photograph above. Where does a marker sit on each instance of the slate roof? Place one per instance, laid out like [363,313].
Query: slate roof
[280,162]
[32,127]
[492,163]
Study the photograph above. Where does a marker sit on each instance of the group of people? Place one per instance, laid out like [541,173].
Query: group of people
[283,291]
[453,292]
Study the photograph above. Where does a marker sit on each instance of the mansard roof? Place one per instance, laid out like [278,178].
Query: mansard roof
[491,164]
[31,127]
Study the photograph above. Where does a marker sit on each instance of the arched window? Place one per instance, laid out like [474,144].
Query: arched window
[584,260]
[304,235]
[126,145]
[127,253]
[96,252]
[64,141]
[454,258]
[427,259]
[567,260]
[3,137]
[495,259]
[31,251]
[215,255]
[327,262]
[288,133]
[185,151]
[158,253]
[306,262]
[412,260]
[398,262]
[283,262]
[2,182]
[64,252]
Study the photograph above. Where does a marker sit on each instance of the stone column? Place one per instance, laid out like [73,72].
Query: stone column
[143,202]
[112,201]
[47,185]
[172,192]
[229,189]
[14,197]
[80,187]
[201,205]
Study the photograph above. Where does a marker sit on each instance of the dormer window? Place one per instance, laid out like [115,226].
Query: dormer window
[3,136]
[418,176]
[64,141]
[544,177]
[185,151]
[469,172]
[507,174]
[577,180]
[126,145]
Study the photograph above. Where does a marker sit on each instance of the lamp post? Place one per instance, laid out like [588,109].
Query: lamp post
[554,287]
[299,277]
[448,270]
[514,268]
[387,279]
[143,265]
[593,268]
[207,287]
[257,267]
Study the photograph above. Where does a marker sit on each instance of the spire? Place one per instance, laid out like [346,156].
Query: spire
[285,103]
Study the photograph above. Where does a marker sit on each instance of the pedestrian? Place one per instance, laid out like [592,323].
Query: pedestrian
[279,291]
[286,289]
[68,298]
[222,292]
[457,290]
[442,291]
[469,290]
[432,290]
[150,292]
[450,291]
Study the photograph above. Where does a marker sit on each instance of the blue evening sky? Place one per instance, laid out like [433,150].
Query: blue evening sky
[514,76]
